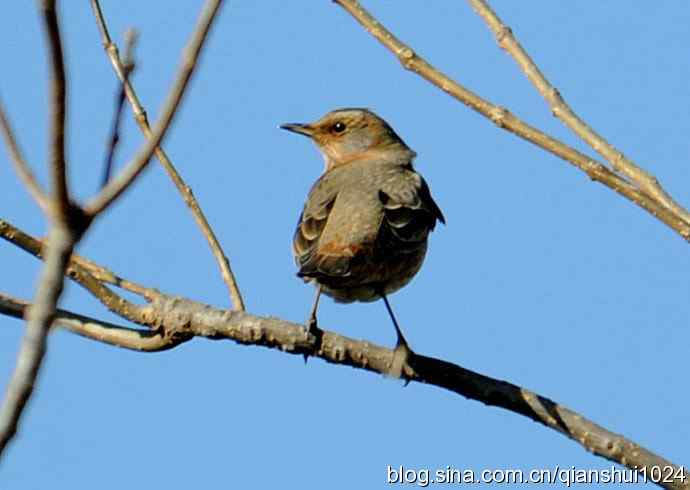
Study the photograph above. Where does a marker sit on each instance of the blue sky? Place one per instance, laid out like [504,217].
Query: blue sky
[541,277]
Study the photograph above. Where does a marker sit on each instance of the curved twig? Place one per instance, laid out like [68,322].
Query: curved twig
[22,168]
[91,328]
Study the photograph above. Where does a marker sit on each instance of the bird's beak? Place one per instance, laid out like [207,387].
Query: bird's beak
[305,129]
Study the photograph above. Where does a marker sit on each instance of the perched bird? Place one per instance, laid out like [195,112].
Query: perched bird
[363,231]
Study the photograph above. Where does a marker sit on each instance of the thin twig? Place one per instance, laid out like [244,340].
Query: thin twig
[107,276]
[114,139]
[79,270]
[506,120]
[35,247]
[21,167]
[58,104]
[506,40]
[184,190]
[189,60]
[92,328]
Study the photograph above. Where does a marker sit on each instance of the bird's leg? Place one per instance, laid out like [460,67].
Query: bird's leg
[401,338]
[312,324]
[402,348]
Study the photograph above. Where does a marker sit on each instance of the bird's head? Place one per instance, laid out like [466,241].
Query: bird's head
[347,135]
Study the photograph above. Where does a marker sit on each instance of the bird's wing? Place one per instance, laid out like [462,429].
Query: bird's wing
[410,213]
[310,227]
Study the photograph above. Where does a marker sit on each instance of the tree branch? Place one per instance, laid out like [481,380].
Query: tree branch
[91,328]
[184,190]
[506,120]
[114,139]
[69,222]
[189,61]
[60,243]
[61,201]
[175,320]
[78,269]
[180,318]
[506,40]
[21,167]
[67,226]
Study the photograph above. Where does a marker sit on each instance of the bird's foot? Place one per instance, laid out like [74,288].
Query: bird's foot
[314,335]
[400,367]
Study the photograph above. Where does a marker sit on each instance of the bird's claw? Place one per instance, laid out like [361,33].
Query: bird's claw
[401,355]
[314,331]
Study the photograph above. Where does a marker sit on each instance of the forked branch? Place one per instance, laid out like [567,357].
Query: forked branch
[645,196]
[69,221]
[641,178]
[190,56]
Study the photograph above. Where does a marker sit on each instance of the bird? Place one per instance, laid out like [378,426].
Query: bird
[364,228]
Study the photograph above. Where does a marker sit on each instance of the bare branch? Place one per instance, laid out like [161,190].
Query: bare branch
[107,276]
[642,179]
[506,120]
[184,190]
[60,243]
[180,318]
[108,333]
[78,269]
[175,320]
[67,226]
[130,41]
[189,60]
[22,168]
[61,199]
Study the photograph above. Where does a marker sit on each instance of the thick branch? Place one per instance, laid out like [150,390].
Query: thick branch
[642,179]
[175,320]
[181,318]
[189,61]
[184,190]
[506,120]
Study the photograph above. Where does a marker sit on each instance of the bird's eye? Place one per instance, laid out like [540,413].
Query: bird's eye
[338,127]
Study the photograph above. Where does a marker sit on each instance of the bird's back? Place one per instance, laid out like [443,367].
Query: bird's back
[364,228]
